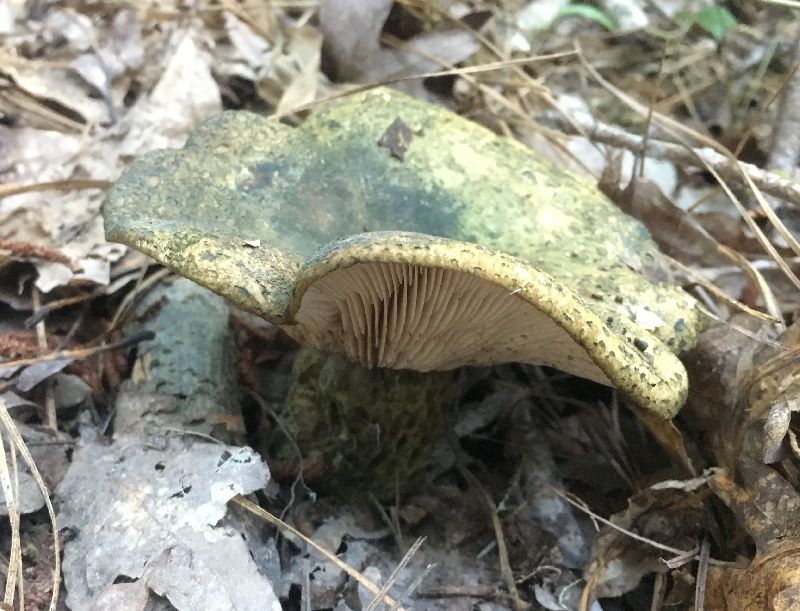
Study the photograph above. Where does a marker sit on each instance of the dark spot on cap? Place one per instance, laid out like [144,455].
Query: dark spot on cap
[396,139]
[640,344]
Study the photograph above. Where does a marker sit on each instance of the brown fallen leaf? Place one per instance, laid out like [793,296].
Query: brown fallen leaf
[770,512]
[671,517]
[677,232]
[745,390]
[722,354]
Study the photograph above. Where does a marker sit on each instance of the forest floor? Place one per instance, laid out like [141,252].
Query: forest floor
[545,491]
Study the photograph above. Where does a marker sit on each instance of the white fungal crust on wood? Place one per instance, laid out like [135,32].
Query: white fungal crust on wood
[408,316]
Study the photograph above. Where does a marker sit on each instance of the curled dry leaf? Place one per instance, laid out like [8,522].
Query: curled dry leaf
[749,385]
[667,516]
[769,509]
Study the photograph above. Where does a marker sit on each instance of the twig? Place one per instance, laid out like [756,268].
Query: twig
[57,185]
[277,522]
[41,339]
[768,182]
[81,353]
[633,535]
[19,445]
[786,3]
[502,551]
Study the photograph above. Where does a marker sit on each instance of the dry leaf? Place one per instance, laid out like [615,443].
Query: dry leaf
[305,45]
[246,55]
[769,510]
[185,95]
[676,231]
[352,31]
[668,516]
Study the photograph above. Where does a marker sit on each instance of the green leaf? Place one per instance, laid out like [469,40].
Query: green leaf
[716,20]
[587,11]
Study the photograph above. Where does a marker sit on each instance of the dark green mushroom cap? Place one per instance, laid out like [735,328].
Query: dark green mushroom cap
[404,236]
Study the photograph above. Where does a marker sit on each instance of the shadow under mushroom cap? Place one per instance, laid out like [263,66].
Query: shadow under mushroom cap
[437,214]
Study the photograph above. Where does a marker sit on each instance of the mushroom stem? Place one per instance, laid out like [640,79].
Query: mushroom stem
[359,430]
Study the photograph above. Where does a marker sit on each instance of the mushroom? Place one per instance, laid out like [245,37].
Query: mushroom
[406,237]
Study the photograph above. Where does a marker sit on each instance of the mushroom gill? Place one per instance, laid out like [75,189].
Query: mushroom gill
[407,316]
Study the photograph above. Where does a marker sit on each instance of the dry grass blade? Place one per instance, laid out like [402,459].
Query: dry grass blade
[667,548]
[587,594]
[527,82]
[142,286]
[10,493]
[502,549]
[415,583]
[18,444]
[58,304]
[760,236]
[373,604]
[16,99]
[677,129]
[58,185]
[278,523]
[702,576]
[719,293]
[770,301]
[449,72]
[299,479]
[659,592]
[773,218]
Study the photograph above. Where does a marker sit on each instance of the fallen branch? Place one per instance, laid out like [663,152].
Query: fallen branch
[769,182]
